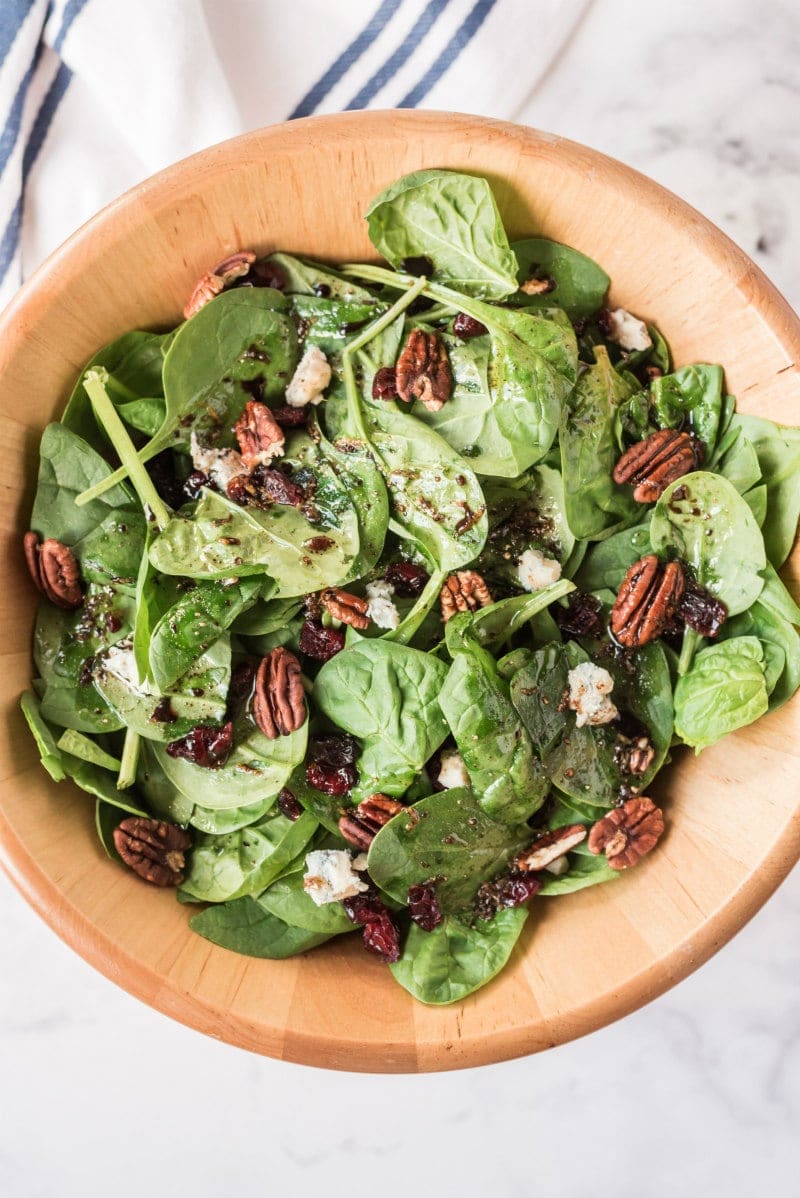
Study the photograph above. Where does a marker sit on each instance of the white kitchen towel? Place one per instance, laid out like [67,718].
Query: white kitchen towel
[97,94]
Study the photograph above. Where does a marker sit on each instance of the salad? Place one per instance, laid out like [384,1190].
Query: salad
[374,598]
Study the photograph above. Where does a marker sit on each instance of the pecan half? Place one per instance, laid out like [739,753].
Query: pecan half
[534,286]
[627,832]
[633,755]
[550,847]
[423,371]
[350,609]
[647,601]
[651,465]
[260,436]
[464,590]
[54,570]
[153,849]
[360,826]
[279,702]
[235,266]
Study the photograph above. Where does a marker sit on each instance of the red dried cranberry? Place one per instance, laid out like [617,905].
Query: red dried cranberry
[320,642]
[288,805]
[466,327]
[329,780]
[275,486]
[204,746]
[288,417]
[509,890]
[161,469]
[240,689]
[267,274]
[583,615]
[336,750]
[701,610]
[417,265]
[384,384]
[193,485]
[423,906]
[407,578]
[381,935]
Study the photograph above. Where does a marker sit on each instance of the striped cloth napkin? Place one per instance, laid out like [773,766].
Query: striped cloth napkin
[95,95]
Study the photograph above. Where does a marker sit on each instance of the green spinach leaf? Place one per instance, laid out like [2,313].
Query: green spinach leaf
[580,284]
[724,690]
[693,393]
[245,926]
[778,451]
[246,862]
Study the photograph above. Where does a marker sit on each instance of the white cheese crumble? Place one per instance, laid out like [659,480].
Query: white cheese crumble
[360,862]
[120,661]
[535,570]
[627,330]
[559,866]
[330,876]
[221,465]
[452,771]
[589,688]
[380,608]
[312,376]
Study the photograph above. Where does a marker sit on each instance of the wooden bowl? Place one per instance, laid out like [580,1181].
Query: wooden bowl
[734,828]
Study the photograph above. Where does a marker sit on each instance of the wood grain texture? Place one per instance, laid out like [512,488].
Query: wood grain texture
[733,820]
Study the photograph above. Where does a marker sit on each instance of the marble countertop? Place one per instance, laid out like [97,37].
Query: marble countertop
[697,1093]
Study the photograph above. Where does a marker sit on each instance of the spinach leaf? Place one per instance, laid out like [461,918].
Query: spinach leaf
[526,513]
[505,773]
[585,869]
[457,958]
[778,451]
[110,553]
[704,520]
[359,478]
[580,284]
[739,463]
[198,697]
[693,393]
[780,645]
[387,695]
[287,899]
[508,387]
[607,562]
[87,749]
[777,599]
[157,790]
[192,625]
[49,752]
[245,926]
[232,819]
[756,499]
[134,363]
[496,623]
[106,821]
[304,277]
[453,220]
[589,452]
[724,690]
[330,323]
[99,782]
[267,616]
[246,862]
[448,837]
[67,466]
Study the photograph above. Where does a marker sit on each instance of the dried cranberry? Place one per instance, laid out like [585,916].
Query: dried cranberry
[275,486]
[384,384]
[423,906]
[204,746]
[701,610]
[509,890]
[583,615]
[650,372]
[466,327]
[320,642]
[433,767]
[381,935]
[267,274]
[417,265]
[338,749]
[193,485]
[288,417]
[605,322]
[330,780]
[288,805]
[161,469]
[240,689]
[407,578]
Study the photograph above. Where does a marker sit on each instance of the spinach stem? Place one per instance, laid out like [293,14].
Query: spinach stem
[147,452]
[476,308]
[94,383]
[129,760]
[410,625]
[688,649]
[354,411]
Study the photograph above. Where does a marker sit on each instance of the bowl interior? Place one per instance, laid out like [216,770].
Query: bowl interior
[733,827]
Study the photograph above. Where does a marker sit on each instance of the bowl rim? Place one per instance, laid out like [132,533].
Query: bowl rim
[499,1043]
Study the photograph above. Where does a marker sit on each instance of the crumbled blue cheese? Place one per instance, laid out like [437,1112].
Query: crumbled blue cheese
[559,867]
[535,570]
[330,876]
[120,661]
[452,771]
[312,376]
[627,331]
[589,690]
[221,465]
[380,608]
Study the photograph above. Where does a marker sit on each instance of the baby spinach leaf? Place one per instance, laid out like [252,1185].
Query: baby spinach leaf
[304,277]
[220,823]
[724,690]
[505,773]
[49,752]
[267,616]
[756,499]
[247,861]
[134,363]
[387,695]
[111,552]
[192,625]
[106,821]
[330,323]
[453,220]
[143,415]
[693,394]
[245,926]
[776,597]
[580,284]
[589,452]
[704,520]
[457,958]
[87,750]
[449,837]
[287,899]
[499,621]
[780,645]
[585,869]
[67,466]
[778,451]
[159,793]
[607,562]
[359,478]
[100,783]
[739,463]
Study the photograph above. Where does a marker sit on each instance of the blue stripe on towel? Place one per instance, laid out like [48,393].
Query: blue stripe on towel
[13,14]
[459,40]
[399,56]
